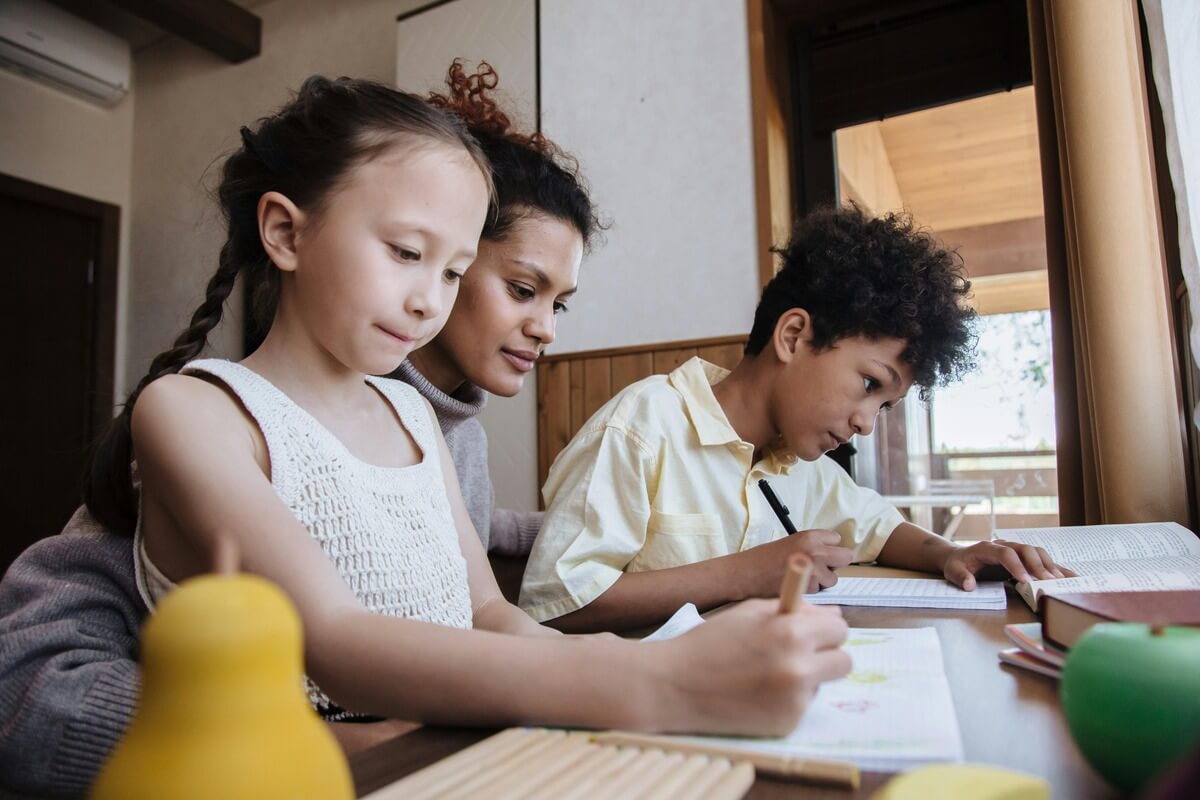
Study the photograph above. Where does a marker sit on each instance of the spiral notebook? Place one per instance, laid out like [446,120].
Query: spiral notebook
[910,593]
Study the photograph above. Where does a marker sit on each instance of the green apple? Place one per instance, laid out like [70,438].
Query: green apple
[1131,695]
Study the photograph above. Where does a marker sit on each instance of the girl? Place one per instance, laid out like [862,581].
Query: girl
[353,213]
[73,611]
[509,299]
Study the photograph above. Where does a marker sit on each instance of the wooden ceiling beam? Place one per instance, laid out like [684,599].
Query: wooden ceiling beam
[221,27]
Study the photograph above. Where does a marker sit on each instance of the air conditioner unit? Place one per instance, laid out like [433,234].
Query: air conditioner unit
[48,44]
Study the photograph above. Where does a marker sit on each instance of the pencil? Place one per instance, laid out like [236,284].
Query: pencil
[795,582]
[813,770]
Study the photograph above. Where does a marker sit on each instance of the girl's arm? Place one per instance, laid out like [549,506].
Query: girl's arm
[202,462]
[491,611]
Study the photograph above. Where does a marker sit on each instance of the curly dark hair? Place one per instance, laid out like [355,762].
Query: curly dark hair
[877,277]
[531,173]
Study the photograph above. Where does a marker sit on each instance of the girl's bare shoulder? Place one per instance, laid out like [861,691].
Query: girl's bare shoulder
[185,406]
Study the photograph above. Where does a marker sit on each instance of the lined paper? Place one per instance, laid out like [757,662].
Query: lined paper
[909,593]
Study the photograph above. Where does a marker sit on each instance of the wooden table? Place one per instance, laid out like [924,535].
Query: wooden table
[1008,717]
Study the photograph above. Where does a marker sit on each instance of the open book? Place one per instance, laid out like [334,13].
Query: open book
[1143,557]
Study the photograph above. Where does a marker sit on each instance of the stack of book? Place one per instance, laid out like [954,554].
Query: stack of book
[1031,651]
[1147,573]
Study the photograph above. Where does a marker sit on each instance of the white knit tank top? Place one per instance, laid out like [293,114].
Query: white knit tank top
[389,530]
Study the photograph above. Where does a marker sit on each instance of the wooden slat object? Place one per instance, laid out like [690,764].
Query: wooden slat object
[538,763]
[573,386]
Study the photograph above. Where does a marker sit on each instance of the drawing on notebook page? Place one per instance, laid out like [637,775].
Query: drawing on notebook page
[855,706]
[866,677]
[861,640]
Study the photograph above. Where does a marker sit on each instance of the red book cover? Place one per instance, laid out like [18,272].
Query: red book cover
[1065,617]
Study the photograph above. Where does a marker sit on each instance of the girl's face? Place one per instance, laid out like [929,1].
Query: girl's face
[376,272]
[507,310]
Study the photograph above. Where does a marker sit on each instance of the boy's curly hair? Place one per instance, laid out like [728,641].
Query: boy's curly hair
[878,277]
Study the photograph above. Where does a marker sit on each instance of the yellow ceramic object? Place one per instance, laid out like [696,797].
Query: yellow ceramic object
[963,782]
[222,711]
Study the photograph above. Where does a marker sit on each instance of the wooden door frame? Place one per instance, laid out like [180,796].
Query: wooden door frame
[101,381]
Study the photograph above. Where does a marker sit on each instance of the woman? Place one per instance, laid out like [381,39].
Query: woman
[507,306]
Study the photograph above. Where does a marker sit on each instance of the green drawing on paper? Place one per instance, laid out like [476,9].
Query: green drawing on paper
[866,677]
[867,638]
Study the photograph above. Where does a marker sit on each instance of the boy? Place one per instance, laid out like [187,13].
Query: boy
[655,502]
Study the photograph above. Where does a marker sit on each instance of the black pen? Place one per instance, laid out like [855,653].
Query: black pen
[779,508]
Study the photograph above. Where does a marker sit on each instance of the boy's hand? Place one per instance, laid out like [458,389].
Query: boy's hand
[998,559]
[822,546]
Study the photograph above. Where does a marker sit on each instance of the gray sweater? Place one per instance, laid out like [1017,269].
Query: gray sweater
[507,533]
[69,620]
[70,615]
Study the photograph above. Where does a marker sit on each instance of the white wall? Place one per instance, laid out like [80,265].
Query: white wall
[51,138]
[654,99]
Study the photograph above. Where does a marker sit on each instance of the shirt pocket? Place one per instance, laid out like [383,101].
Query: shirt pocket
[673,540]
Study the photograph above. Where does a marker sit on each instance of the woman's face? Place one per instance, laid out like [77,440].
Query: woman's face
[507,308]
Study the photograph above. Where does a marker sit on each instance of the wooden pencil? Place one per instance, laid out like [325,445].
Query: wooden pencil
[795,582]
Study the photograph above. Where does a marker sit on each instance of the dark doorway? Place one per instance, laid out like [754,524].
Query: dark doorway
[854,61]
[59,316]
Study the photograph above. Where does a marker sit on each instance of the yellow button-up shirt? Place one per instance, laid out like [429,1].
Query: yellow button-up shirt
[658,478]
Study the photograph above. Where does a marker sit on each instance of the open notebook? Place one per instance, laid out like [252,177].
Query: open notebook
[909,593]
[893,711]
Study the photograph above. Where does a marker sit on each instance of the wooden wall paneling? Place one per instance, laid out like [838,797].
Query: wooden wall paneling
[667,360]
[630,368]
[554,413]
[597,385]
[723,355]
[576,396]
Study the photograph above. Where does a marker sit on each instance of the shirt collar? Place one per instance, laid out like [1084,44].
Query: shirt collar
[694,380]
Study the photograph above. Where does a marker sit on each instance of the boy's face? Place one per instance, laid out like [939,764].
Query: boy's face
[823,398]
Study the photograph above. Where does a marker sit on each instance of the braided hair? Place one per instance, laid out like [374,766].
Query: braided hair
[303,151]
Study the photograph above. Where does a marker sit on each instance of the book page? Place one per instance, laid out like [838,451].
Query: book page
[1120,582]
[1070,546]
[909,593]
[893,711]
[1187,564]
